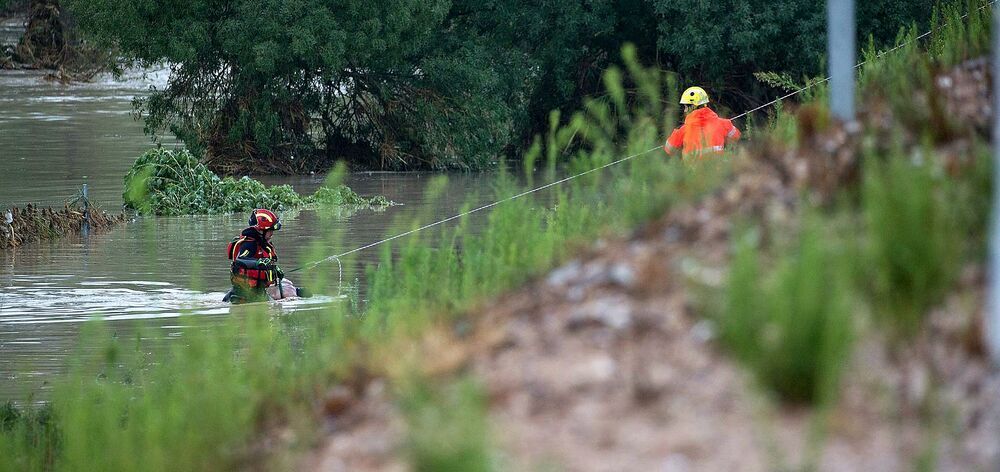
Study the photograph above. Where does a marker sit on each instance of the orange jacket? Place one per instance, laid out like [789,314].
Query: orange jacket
[702,128]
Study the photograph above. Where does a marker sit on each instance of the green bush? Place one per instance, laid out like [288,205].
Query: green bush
[913,235]
[790,325]
[954,38]
[165,182]
[31,437]
[343,195]
[447,428]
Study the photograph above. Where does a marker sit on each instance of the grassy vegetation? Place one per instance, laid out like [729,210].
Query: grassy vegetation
[168,182]
[914,239]
[199,407]
[791,323]
[895,244]
[448,429]
[29,429]
[203,405]
[924,209]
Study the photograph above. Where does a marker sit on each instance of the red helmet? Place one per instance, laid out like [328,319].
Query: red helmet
[263,220]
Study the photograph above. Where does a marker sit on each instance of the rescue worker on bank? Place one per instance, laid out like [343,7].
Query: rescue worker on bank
[703,132]
[255,262]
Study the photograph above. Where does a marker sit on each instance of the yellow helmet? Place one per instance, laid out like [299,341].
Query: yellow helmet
[694,96]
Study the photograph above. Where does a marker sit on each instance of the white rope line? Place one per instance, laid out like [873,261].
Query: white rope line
[474,210]
[776,100]
[560,181]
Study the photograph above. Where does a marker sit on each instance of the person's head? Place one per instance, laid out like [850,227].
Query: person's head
[694,98]
[265,221]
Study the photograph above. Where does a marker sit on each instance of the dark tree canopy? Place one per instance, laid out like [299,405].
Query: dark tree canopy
[721,44]
[289,85]
[272,85]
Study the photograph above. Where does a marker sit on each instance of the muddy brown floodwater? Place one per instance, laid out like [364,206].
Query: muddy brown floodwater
[147,272]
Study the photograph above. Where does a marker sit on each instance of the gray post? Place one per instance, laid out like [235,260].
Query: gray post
[840,48]
[992,314]
[86,212]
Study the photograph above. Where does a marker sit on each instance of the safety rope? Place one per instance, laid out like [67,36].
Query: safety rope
[619,161]
[469,212]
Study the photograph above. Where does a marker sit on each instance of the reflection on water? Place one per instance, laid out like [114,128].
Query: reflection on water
[148,272]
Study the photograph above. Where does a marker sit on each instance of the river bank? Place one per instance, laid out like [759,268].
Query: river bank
[624,358]
[55,138]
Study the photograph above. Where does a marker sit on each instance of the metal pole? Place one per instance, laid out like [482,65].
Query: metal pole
[840,47]
[992,314]
[86,212]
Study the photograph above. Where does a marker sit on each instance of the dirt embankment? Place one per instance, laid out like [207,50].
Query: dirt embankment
[31,223]
[605,365]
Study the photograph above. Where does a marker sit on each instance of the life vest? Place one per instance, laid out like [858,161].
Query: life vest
[249,277]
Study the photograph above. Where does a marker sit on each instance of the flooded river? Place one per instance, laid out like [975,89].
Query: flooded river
[54,138]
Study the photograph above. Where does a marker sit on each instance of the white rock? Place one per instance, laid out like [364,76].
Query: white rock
[613,313]
[598,369]
[676,462]
[564,274]
[703,331]
[622,275]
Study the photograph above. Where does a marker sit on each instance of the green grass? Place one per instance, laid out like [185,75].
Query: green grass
[31,437]
[196,407]
[913,239]
[790,310]
[790,322]
[201,405]
[447,427]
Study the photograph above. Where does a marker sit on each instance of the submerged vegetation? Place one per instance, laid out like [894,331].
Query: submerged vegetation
[174,182]
[32,223]
[795,298]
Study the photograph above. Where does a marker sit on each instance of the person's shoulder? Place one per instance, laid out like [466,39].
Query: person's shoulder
[248,236]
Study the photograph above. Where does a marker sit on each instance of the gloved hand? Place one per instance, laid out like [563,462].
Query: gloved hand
[278,272]
[265,263]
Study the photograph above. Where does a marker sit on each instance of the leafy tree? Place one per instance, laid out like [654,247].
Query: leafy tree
[568,44]
[290,85]
[276,85]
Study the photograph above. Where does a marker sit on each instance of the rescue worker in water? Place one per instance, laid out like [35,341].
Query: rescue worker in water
[255,272]
[703,131]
